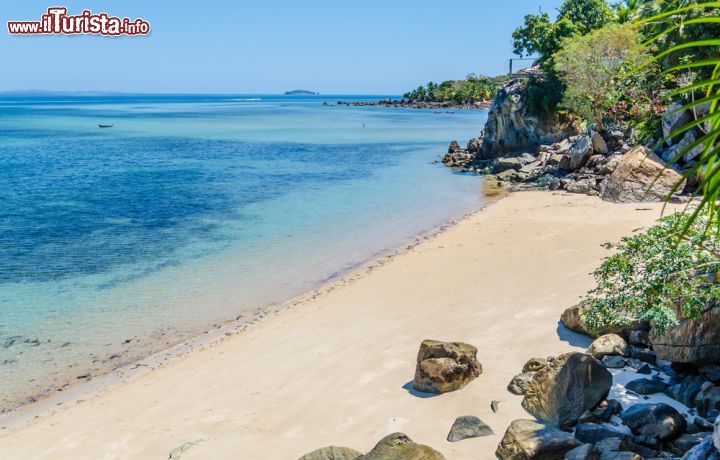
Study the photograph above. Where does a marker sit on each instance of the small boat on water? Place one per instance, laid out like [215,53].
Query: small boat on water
[105,125]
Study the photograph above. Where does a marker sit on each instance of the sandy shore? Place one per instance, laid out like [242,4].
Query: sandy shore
[332,369]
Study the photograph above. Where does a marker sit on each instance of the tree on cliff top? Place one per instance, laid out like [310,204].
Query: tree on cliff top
[540,35]
[590,67]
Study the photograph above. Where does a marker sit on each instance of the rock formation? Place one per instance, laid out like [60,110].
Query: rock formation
[332,453]
[468,426]
[398,446]
[609,344]
[694,341]
[445,366]
[528,439]
[640,176]
[571,384]
[512,128]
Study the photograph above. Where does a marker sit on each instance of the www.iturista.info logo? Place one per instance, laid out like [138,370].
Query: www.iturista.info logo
[56,21]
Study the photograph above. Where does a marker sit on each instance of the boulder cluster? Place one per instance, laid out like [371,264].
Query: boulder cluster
[524,152]
[395,446]
[576,420]
[625,397]
[600,165]
[441,367]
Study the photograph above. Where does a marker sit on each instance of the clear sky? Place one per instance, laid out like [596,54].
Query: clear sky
[267,46]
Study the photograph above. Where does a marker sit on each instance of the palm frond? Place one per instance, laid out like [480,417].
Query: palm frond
[707,168]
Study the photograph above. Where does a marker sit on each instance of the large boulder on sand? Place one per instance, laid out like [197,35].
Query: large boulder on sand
[637,170]
[572,318]
[694,341]
[566,388]
[609,345]
[445,366]
[332,453]
[528,439]
[398,446]
[468,426]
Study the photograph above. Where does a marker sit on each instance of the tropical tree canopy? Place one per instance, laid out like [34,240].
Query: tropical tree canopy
[590,67]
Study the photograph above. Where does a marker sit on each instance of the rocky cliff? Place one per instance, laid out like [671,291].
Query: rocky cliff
[511,128]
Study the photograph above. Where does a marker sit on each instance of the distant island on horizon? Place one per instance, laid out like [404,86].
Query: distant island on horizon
[304,92]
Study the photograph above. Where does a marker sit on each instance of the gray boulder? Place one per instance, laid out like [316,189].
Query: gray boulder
[711,372]
[620,455]
[595,432]
[566,388]
[685,142]
[686,390]
[707,399]
[693,341]
[528,439]
[583,187]
[332,453]
[658,421]
[609,345]
[687,441]
[614,362]
[454,147]
[468,426]
[578,154]
[519,384]
[610,164]
[703,451]
[584,452]
[398,446]
[474,145]
[572,318]
[598,144]
[673,119]
[646,386]
[445,366]
[643,354]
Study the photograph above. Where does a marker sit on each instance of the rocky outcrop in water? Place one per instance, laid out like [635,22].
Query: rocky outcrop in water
[511,127]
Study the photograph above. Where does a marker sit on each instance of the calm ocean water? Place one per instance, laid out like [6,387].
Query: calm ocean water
[192,210]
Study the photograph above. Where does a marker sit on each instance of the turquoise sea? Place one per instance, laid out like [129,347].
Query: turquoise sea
[193,210]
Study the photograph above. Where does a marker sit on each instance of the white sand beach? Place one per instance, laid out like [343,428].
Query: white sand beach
[333,369]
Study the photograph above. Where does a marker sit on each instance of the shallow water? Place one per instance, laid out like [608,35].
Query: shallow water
[193,210]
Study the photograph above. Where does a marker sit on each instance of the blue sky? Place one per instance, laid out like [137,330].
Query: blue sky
[267,46]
